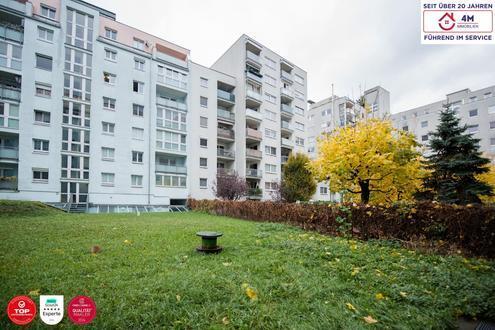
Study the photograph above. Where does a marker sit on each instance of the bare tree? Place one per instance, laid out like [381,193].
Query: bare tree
[230,186]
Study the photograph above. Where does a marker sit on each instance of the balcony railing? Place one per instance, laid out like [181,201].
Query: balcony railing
[10,93]
[160,122]
[221,113]
[286,75]
[254,76]
[286,125]
[171,169]
[285,159]
[253,57]
[286,92]
[170,147]
[255,193]
[171,104]
[287,142]
[253,133]
[224,95]
[253,173]
[172,81]
[7,32]
[225,153]
[226,133]
[9,152]
[225,171]
[287,109]
[254,95]
[253,153]
[254,114]
[9,122]
[8,184]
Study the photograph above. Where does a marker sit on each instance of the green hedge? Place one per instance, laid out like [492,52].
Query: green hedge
[470,229]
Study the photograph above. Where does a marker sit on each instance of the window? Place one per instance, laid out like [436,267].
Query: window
[43,62]
[41,145]
[136,180]
[405,128]
[473,99]
[492,141]
[298,79]
[138,44]
[203,121]
[323,191]
[110,34]
[172,77]
[424,137]
[299,141]
[203,162]
[174,181]
[108,103]
[299,95]
[137,110]
[424,123]
[270,63]
[270,115]
[9,117]
[270,80]
[108,154]
[270,185]
[492,124]
[487,95]
[270,168]
[170,141]
[75,140]
[270,133]
[110,55]
[203,183]
[43,90]
[203,142]
[473,113]
[491,109]
[48,12]
[108,128]
[299,111]
[77,87]
[272,151]
[41,117]
[299,126]
[79,29]
[138,87]
[77,61]
[203,101]
[40,174]
[171,119]
[203,82]
[109,78]
[137,157]
[473,129]
[45,34]
[107,179]
[270,98]
[137,133]
[139,64]
[77,114]
[75,167]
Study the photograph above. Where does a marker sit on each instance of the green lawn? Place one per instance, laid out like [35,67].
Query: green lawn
[149,275]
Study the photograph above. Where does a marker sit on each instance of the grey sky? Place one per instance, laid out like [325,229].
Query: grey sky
[349,43]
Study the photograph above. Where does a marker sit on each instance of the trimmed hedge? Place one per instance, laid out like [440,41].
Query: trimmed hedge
[441,227]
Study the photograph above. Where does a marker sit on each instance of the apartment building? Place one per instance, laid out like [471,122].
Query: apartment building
[475,108]
[338,111]
[270,112]
[96,112]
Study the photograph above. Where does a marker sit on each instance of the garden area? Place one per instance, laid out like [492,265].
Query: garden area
[146,273]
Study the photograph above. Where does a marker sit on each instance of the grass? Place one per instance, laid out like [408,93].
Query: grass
[148,274]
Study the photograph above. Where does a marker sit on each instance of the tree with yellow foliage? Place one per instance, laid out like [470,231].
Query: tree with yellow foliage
[370,159]
[489,179]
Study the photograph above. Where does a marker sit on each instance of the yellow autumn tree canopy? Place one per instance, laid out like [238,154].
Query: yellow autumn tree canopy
[370,161]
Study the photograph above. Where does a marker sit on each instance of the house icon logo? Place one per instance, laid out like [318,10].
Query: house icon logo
[447,22]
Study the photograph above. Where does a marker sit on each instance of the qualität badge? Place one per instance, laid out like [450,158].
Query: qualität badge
[81,310]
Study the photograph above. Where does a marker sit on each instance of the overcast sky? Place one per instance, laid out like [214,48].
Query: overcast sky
[349,43]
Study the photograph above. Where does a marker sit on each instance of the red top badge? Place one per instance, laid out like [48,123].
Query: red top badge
[21,310]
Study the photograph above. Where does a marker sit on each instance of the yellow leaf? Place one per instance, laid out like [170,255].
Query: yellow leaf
[403,294]
[225,320]
[379,296]
[369,319]
[355,271]
[34,292]
[226,264]
[127,241]
[177,297]
[251,293]
[244,285]
[351,307]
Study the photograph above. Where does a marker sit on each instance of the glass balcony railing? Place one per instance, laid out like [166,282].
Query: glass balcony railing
[254,114]
[253,57]
[225,133]
[286,75]
[160,122]
[9,152]
[286,92]
[171,169]
[254,95]
[10,93]
[286,125]
[253,134]
[225,171]
[285,159]
[171,104]
[181,84]
[7,32]
[8,183]
[255,76]
[287,142]
[225,153]
[287,109]
[226,114]
[253,153]
[9,122]
[253,173]
[224,95]
[255,193]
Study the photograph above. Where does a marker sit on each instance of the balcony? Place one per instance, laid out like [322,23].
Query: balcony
[9,153]
[253,134]
[253,153]
[9,33]
[225,171]
[176,83]
[253,58]
[285,159]
[257,77]
[286,126]
[168,147]
[171,104]
[224,133]
[286,76]
[287,110]
[286,93]
[226,96]
[225,115]
[254,115]
[171,169]
[8,183]
[10,93]
[253,173]
[287,143]
[255,193]
[161,123]
[8,122]
[222,153]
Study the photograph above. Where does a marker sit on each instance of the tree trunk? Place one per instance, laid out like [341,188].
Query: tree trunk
[365,191]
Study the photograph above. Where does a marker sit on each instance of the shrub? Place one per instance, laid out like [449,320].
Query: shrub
[440,227]
[230,186]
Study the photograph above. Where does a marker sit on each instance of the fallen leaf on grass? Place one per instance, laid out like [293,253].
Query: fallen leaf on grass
[127,241]
[226,264]
[251,293]
[379,296]
[403,294]
[351,307]
[369,319]
[225,320]
[34,292]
